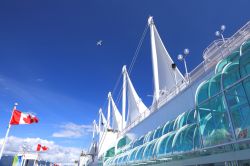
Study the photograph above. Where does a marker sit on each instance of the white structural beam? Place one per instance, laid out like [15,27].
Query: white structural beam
[154,59]
[124,90]
[108,116]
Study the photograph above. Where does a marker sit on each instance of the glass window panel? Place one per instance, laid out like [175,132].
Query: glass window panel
[124,160]
[161,144]
[123,141]
[140,153]
[180,121]
[139,142]
[240,111]
[178,143]
[231,74]
[221,65]
[186,139]
[214,85]
[158,132]
[233,56]
[110,152]
[191,117]
[214,122]
[171,126]
[166,128]
[119,160]
[202,92]
[132,156]
[245,64]
[146,137]
[246,85]
[197,138]
[151,137]
[168,148]
[246,47]
[148,152]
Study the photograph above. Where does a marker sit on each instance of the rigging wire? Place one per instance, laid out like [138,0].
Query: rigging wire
[119,95]
[129,69]
[138,49]
[133,59]
[117,83]
[113,91]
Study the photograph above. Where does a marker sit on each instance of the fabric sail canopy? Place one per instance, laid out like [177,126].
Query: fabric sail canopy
[115,120]
[168,76]
[116,117]
[135,105]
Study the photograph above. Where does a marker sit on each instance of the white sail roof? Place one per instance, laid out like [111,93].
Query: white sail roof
[102,121]
[135,105]
[168,77]
[116,115]
[108,126]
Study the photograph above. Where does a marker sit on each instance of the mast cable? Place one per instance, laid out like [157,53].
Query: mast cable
[134,59]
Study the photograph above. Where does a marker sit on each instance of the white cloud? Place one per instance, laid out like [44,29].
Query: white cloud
[72,130]
[56,153]
[39,80]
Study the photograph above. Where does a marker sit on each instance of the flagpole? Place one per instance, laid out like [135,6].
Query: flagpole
[7,133]
[36,160]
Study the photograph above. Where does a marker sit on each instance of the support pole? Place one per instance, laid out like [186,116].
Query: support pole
[4,141]
[154,58]
[124,91]
[7,133]
[36,160]
[93,133]
[109,112]
[100,120]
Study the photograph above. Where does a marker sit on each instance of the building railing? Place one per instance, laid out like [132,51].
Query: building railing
[215,52]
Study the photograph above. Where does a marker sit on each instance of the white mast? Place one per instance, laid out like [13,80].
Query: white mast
[94,129]
[108,116]
[99,121]
[154,59]
[124,89]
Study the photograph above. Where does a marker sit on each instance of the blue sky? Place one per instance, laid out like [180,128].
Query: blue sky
[50,64]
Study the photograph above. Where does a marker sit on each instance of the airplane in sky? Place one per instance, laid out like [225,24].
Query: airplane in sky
[99,43]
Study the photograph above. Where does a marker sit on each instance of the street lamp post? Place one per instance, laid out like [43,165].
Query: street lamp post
[220,33]
[183,58]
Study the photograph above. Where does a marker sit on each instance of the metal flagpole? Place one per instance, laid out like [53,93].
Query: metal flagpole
[7,133]
[36,160]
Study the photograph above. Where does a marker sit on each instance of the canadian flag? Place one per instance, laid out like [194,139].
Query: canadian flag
[41,148]
[19,117]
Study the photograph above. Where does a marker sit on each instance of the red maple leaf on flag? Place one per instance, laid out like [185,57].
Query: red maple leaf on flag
[41,148]
[45,148]
[29,119]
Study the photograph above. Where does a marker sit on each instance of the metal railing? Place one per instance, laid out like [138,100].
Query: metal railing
[215,52]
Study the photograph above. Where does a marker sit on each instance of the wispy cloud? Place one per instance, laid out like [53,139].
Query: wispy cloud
[39,80]
[72,130]
[56,153]
[52,108]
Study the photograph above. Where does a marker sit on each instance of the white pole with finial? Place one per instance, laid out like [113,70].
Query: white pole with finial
[124,91]
[154,59]
[36,160]
[7,133]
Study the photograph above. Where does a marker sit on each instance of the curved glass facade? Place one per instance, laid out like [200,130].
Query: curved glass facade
[220,118]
